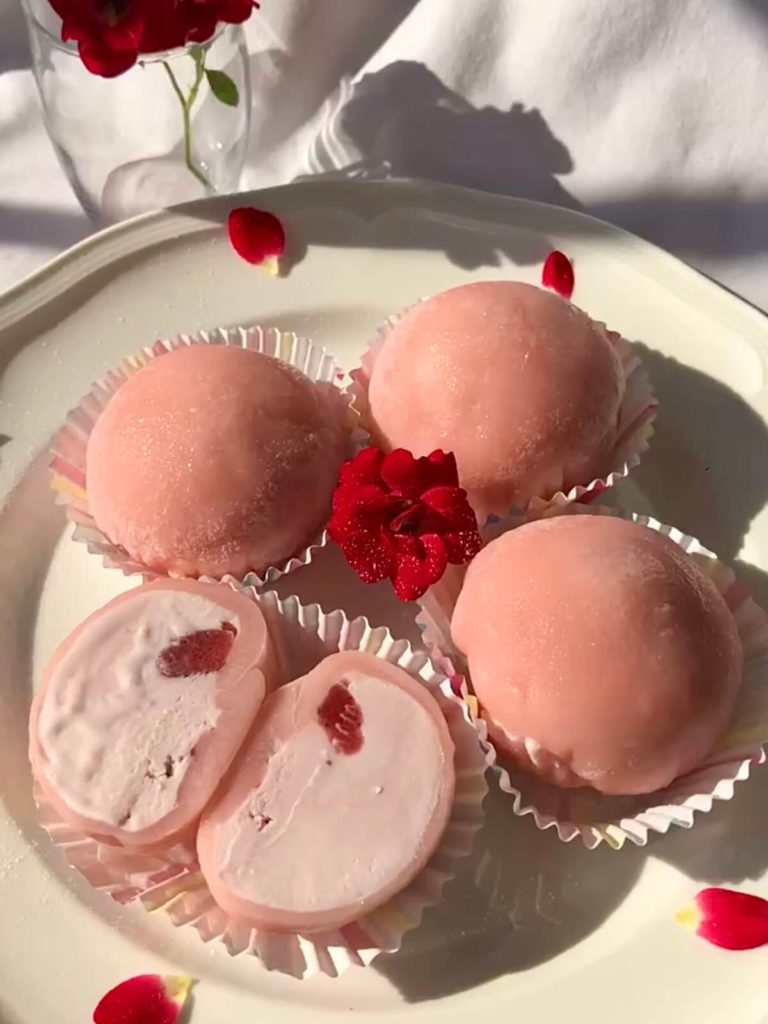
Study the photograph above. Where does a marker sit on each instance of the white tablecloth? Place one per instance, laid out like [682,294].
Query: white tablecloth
[652,114]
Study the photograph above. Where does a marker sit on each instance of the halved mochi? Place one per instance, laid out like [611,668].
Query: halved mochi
[143,707]
[337,801]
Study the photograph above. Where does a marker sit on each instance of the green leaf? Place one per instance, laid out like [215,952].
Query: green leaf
[222,87]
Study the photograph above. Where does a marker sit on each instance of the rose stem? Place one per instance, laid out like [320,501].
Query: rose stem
[198,54]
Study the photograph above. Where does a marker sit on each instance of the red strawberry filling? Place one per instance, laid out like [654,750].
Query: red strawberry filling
[342,718]
[197,653]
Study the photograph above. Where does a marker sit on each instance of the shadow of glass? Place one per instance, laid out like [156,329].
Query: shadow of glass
[701,424]
[14,40]
[523,899]
[410,224]
[43,227]
[713,223]
[760,8]
[404,117]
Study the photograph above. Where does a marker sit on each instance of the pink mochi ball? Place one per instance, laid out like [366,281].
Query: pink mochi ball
[214,459]
[600,653]
[521,385]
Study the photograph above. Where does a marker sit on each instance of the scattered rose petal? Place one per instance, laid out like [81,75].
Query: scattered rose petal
[257,236]
[456,682]
[726,918]
[197,653]
[145,999]
[557,274]
[402,518]
[592,494]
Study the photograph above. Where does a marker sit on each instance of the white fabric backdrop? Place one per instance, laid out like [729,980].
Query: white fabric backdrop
[652,114]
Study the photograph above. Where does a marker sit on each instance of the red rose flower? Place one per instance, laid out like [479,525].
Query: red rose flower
[112,34]
[403,518]
[108,33]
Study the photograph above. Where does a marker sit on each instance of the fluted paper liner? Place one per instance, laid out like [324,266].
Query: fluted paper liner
[634,429]
[173,883]
[68,451]
[584,813]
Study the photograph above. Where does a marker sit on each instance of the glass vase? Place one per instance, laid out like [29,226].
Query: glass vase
[171,129]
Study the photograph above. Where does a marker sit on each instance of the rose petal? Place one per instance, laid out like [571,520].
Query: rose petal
[410,477]
[145,999]
[421,561]
[255,234]
[101,60]
[729,919]
[458,523]
[125,35]
[359,508]
[364,468]
[557,274]
[371,553]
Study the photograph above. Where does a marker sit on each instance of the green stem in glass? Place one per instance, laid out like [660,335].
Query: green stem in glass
[187,102]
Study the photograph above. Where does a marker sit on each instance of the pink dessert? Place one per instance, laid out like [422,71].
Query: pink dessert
[143,707]
[600,653]
[215,459]
[521,385]
[335,804]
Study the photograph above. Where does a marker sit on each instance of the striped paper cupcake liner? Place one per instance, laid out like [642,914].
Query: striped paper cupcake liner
[583,813]
[68,451]
[634,429]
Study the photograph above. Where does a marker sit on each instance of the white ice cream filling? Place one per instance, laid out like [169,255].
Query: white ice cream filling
[117,737]
[325,829]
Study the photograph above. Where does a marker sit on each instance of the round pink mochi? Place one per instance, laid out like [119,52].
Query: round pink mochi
[338,799]
[600,653]
[521,385]
[142,708]
[214,459]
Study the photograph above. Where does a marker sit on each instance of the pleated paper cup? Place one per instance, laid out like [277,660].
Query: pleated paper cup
[68,451]
[174,884]
[584,813]
[634,428]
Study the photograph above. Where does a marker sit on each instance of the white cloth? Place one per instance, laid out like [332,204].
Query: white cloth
[648,113]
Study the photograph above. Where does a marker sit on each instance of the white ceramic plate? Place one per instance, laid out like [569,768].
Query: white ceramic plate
[533,930]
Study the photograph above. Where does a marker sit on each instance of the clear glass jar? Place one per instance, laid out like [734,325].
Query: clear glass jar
[164,132]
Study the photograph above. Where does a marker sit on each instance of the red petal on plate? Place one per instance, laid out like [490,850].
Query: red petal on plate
[557,274]
[591,495]
[197,653]
[456,682]
[145,999]
[256,235]
[729,919]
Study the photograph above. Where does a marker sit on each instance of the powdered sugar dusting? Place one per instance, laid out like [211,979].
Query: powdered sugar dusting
[531,390]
